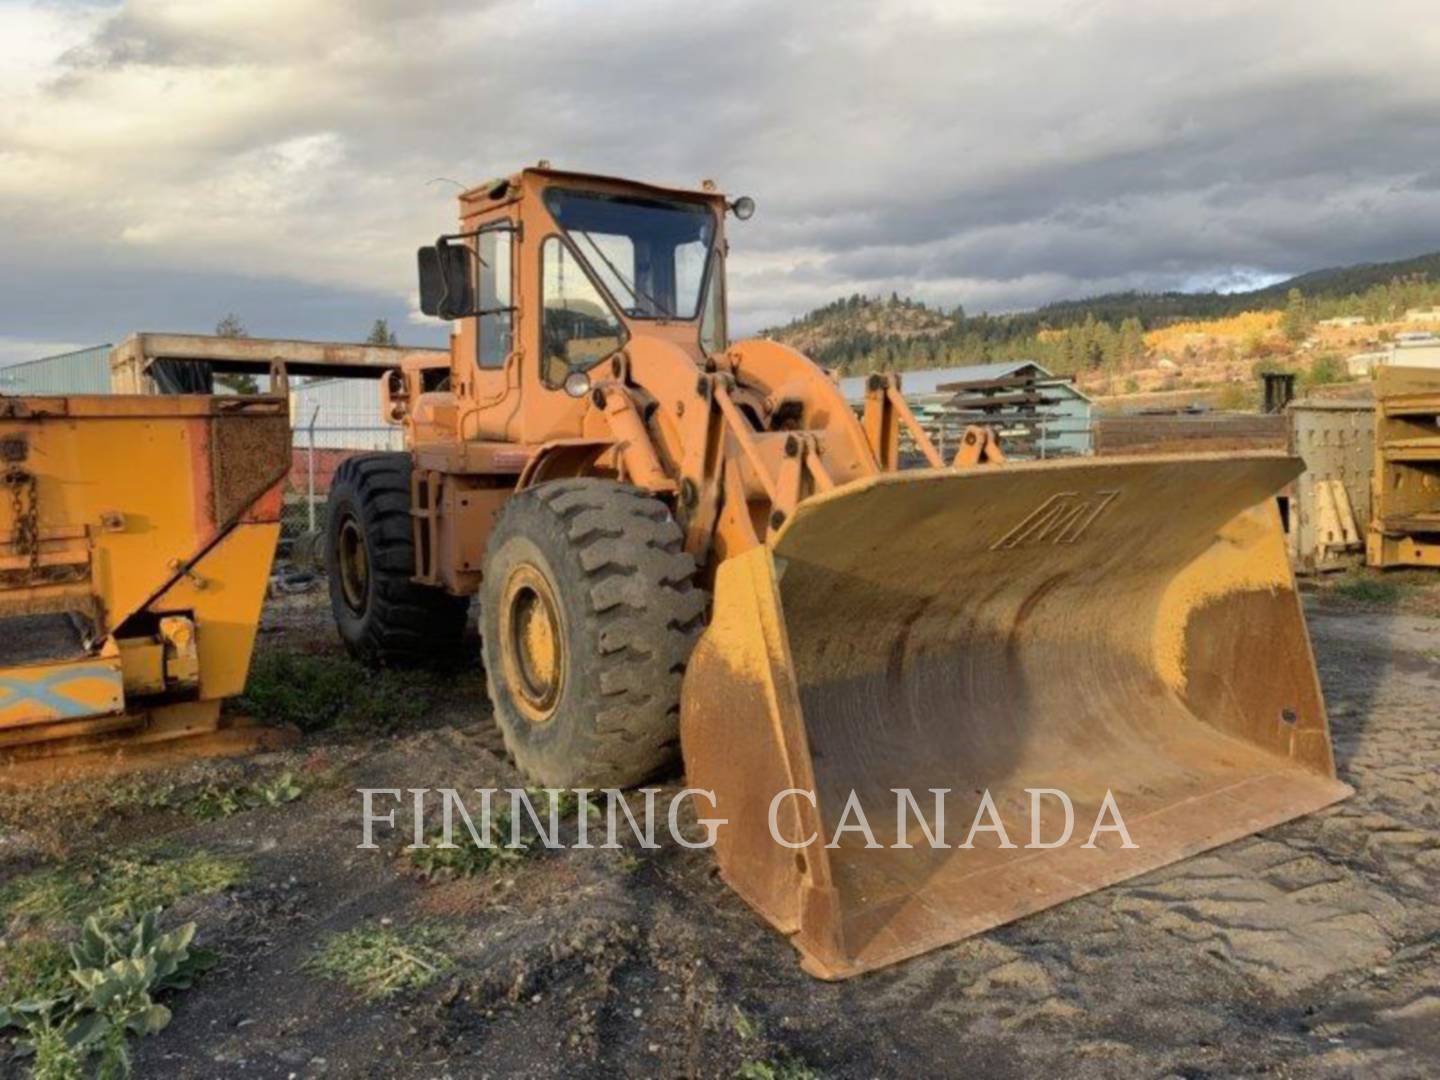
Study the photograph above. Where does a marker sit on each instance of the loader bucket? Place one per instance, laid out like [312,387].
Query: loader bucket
[1125,626]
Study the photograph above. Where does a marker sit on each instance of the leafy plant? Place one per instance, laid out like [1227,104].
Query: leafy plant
[49,1041]
[785,1069]
[377,962]
[466,859]
[141,795]
[283,789]
[115,974]
[217,801]
[469,859]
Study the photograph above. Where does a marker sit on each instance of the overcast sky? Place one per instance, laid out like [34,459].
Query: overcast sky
[163,163]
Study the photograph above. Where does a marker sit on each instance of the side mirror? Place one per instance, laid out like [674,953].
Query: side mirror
[445,280]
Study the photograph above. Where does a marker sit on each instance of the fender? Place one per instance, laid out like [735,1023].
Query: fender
[561,458]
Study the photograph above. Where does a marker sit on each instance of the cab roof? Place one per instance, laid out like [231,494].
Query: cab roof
[494,189]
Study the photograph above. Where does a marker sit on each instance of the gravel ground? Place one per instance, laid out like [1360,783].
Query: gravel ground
[1310,950]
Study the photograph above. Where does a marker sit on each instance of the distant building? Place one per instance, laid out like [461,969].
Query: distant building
[345,413]
[1407,350]
[1359,366]
[1416,352]
[1430,314]
[1343,321]
[1066,423]
[83,371]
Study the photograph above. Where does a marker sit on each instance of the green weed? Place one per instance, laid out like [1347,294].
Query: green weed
[377,962]
[113,977]
[1361,588]
[216,801]
[468,859]
[783,1069]
[315,693]
[33,968]
[116,886]
[86,809]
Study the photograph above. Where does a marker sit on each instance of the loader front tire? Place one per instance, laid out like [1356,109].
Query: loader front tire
[588,612]
[384,618]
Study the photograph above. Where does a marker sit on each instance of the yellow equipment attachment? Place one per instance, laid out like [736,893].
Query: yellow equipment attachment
[1127,625]
[136,535]
[1405,489]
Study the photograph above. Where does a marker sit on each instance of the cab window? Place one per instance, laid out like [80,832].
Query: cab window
[495,327]
[650,253]
[578,329]
[712,322]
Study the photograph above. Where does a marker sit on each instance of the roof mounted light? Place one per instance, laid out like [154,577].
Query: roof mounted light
[743,208]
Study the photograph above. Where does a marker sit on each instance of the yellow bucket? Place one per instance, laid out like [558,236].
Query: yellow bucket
[1125,631]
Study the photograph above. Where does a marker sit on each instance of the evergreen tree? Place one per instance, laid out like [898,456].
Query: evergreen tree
[381,334]
[1131,345]
[241,383]
[1297,321]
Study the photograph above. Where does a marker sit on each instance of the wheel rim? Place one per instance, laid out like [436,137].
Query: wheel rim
[533,640]
[354,568]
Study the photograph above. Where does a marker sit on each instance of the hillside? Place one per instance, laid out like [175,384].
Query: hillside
[861,324]
[1337,281]
[1114,333]
[1153,309]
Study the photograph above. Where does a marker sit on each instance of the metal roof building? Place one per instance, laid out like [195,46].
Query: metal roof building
[84,371]
[345,414]
[1065,429]
[926,382]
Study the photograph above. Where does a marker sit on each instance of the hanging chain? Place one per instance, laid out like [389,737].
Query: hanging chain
[25,505]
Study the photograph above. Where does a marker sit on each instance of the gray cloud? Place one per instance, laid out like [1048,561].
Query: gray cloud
[985,153]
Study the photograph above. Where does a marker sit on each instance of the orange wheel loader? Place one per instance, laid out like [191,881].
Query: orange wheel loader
[687,547]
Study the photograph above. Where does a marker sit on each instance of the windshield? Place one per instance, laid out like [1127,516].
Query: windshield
[650,254]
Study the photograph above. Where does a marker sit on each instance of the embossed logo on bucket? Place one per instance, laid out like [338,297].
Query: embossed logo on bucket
[1063,518]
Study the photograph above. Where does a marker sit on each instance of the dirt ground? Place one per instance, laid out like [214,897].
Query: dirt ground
[1312,950]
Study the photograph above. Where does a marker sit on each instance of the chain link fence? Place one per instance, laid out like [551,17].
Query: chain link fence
[316,453]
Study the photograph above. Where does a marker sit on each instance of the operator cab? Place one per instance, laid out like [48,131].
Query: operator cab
[615,259]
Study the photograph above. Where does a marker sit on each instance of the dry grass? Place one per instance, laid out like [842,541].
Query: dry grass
[114,886]
[379,961]
[1410,592]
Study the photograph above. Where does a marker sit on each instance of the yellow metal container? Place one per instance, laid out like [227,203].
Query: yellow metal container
[136,536]
[1405,506]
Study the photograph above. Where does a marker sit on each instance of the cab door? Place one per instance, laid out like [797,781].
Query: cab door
[488,361]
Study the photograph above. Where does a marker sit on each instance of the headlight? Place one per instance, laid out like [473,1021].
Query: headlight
[577,384]
[743,208]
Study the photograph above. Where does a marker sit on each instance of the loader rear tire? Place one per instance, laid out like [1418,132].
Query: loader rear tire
[385,619]
[588,613]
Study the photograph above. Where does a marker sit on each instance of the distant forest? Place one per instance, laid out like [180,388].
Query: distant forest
[858,333]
